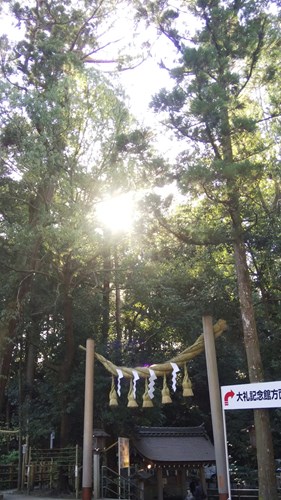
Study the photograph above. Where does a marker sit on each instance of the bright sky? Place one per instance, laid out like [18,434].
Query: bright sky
[140,84]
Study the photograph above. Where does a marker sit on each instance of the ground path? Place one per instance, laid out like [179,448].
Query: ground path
[18,495]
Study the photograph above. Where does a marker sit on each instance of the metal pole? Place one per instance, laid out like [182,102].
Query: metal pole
[216,408]
[226,454]
[88,422]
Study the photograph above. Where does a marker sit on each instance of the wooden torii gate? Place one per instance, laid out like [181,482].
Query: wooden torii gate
[205,341]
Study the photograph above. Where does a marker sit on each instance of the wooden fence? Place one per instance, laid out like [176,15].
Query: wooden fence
[8,476]
[52,469]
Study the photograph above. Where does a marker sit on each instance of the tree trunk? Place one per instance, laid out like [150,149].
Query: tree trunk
[265,455]
[107,265]
[6,358]
[65,369]
[117,298]
[37,205]
[31,354]
[264,444]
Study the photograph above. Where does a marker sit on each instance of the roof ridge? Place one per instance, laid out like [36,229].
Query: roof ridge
[171,431]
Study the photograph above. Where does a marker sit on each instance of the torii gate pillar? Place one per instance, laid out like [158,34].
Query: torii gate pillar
[216,408]
[87,477]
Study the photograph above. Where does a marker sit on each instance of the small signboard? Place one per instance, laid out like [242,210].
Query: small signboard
[251,396]
[123,453]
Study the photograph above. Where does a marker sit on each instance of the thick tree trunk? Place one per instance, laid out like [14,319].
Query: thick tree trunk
[5,363]
[32,340]
[265,455]
[264,445]
[117,298]
[107,268]
[30,365]
[65,369]
[248,315]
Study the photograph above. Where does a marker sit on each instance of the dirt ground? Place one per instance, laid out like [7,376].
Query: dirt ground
[34,495]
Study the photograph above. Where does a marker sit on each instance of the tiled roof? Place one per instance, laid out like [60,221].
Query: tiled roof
[177,445]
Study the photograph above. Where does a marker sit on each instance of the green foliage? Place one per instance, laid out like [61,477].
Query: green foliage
[10,458]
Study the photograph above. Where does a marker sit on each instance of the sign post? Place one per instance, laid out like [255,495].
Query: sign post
[123,453]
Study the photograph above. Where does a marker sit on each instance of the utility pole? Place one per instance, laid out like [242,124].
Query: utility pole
[87,477]
[216,408]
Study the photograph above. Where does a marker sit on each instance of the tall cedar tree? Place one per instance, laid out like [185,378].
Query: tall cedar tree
[59,127]
[215,107]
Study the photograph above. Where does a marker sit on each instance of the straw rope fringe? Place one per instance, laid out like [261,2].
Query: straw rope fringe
[113,400]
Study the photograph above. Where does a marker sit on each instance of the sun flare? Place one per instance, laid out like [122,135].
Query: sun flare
[117,213]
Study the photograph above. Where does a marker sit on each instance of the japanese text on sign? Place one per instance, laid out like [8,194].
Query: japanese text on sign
[247,396]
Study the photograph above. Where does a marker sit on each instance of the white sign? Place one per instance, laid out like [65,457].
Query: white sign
[251,396]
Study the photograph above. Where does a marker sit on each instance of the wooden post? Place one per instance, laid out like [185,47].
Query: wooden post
[159,484]
[182,473]
[203,479]
[88,422]
[76,472]
[216,408]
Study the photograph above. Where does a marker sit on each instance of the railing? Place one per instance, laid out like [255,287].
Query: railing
[242,494]
[238,494]
[115,486]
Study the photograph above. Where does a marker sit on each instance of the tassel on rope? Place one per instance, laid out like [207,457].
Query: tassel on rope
[146,399]
[131,399]
[166,398]
[113,401]
[186,384]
